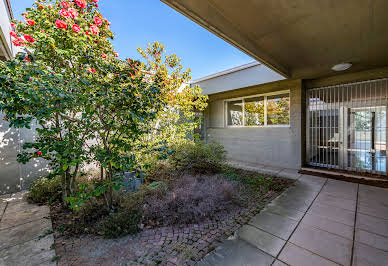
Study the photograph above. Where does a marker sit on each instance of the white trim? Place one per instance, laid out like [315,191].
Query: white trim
[265,95]
[225,72]
[258,95]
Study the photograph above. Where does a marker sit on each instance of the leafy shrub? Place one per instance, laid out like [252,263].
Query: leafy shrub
[45,190]
[191,199]
[121,223]
[198,157]
[158,170]
[256,181]
[129,214]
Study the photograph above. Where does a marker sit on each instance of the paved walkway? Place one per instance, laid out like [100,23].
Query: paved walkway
[317,221]
[25,232]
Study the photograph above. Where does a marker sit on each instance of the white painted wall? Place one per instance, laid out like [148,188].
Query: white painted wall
[6,46]
[253,75]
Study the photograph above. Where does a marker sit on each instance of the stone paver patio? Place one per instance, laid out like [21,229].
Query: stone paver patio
[318,221]
[25,232]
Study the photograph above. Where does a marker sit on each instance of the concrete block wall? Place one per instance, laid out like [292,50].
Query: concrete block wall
[14,176]
[273,146]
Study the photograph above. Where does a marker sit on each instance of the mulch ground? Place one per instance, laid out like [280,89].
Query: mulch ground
[183,244]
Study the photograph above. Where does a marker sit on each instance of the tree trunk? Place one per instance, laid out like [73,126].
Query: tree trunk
[110,175]
[64,189]
[102,183]
[73,179]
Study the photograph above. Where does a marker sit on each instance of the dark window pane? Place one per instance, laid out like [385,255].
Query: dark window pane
[254,111]
[235,114]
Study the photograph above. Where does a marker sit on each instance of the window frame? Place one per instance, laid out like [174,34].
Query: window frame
[265,95]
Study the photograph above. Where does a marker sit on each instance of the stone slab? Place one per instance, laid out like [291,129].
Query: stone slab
[21,206]
[372,224]
[371,239]
[16,197]
[236,252]
[324,244]
[341,187]
[328,225]
[333,213]
[373,195]
[274,224]
[23,233]
[23,216]
[312,182]
[288,203]
[366,255]
[294,255]
[262,240]
[286,212]
[374,209]
[332,200]
[32,252]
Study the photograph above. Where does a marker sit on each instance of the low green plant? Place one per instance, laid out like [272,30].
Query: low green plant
[121,223]
[45,190]
[258,182]
[129,213]
[198,157]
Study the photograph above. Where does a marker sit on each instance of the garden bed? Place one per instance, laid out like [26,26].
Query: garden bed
[179,226]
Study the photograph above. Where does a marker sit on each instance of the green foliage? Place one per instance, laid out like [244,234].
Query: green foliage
[257,182]
[121,224]
[198,157]
[129,213]
[45,190]
[278,110]
[90,106]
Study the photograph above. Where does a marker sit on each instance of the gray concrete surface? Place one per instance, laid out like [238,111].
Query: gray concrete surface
[25,232]
[317,221]
[276,146]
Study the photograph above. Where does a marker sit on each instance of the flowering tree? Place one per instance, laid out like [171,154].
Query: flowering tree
[91,106]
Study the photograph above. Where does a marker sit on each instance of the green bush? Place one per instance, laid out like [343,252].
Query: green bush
[45,190]
[199,158]
[129,213]
[121,223]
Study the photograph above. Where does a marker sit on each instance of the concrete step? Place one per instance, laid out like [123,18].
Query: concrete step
[378,181]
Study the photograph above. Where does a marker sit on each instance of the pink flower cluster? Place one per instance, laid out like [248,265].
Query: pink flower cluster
[67,12]
[18,41]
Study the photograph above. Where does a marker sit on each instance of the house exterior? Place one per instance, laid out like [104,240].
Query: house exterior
[13,176]
[330,111]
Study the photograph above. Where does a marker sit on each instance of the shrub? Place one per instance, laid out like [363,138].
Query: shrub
[45,190]
[260,183]
[158,170]
[129,213]
[191,199]
[199,158]
[121,223]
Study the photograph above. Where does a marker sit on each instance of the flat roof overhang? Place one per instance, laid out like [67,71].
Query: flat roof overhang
[298,39]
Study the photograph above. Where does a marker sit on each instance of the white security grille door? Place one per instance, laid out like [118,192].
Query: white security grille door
[347,126]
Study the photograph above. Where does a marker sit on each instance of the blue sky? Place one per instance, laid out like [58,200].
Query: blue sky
[139,22]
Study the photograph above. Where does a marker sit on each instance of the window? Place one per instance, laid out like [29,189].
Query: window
[278,109]
[235,113]
[261,110]
[254,111]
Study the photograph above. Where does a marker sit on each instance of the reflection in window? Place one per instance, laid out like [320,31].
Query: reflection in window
[235,113]
[278,109]
[254,111]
